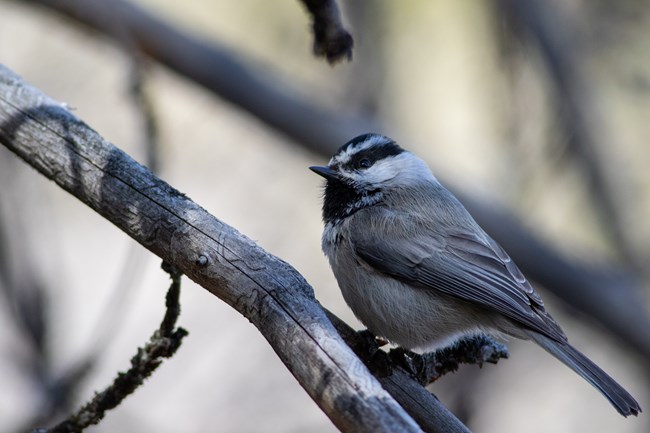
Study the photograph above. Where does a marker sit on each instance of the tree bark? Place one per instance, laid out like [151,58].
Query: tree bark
[263,288]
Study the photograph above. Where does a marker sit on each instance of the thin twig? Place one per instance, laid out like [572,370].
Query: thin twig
[431,366]
[145,107]
[163,344]
[130,270]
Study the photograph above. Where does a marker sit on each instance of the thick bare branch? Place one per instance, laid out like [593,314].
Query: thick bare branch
[418,402]
[266,290]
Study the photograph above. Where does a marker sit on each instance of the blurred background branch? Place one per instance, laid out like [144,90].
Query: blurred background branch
[331,39]
[558,31]
[220,71]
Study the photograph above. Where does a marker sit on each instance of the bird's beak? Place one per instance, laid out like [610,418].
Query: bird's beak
[326,172]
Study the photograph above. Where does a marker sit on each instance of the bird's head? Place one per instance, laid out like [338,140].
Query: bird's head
[363,170]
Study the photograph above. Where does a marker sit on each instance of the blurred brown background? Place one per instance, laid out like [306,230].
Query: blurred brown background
[547,123]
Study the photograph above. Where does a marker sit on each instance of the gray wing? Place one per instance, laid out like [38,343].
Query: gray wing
[463,264]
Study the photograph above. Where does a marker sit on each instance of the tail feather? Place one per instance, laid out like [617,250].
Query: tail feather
[624,403]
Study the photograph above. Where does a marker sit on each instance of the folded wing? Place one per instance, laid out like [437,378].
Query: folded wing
[465,264]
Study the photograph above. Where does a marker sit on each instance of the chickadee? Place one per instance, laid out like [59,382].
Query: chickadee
[416,269]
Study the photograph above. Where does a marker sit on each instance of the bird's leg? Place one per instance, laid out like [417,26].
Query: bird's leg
[412,362]
[376,359]
[370,340]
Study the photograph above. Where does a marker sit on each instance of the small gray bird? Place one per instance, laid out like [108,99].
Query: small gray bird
[416,269]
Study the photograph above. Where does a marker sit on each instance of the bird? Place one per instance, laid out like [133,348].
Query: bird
[417,270]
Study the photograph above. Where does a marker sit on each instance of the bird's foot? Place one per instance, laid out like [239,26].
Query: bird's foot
[428,367]
[376,359]
[416,365]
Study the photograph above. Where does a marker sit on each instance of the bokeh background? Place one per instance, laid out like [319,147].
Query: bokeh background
[536,109]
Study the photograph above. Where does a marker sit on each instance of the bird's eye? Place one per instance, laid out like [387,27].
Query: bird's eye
[364,163]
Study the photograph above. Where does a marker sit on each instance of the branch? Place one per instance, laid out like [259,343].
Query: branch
[218,70]
[163,344]
[429,367]
[560,39]
[397,369]
[331,40]
[263,288]
[611,295]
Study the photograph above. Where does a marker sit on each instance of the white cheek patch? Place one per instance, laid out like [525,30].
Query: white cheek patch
[411,169]
[381,172]
[404,168]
